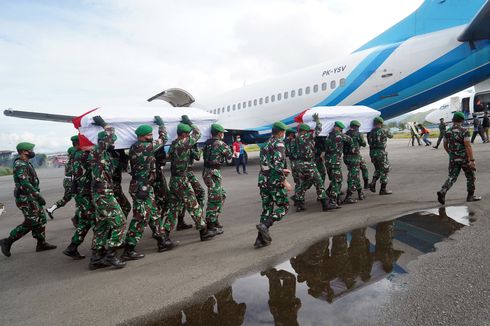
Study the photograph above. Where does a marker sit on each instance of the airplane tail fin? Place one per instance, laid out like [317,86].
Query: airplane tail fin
[431,16]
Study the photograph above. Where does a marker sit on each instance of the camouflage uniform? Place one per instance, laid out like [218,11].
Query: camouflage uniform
[377,139]
[120,163]
[291,151]
[67,183]
[319,153]
[143,172]
[365,172]
[353,158]
[458,158]
[283,303]
[215,153]
[384,251]
[307,168]
[334,145]
[360,256]
[160,186]
[442,132]
[109,227]
[182,194]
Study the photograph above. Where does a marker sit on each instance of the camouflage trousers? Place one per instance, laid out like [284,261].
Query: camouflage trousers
[309,176]
[381,166]
[364,169]
[455,167]
[144,213]
[295,175]
[216,194]
[183,197]
[34,219]
[198,190]
[122,200]
[353,163]
[273,197]
[161,197]
[334,172]
[320,165]
[109,225]
[86,218]
[67,196]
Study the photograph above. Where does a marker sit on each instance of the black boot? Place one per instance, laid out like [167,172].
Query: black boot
[42,245]
[332,203]
[6,244]
[212,226]
[360,194]
[260,242]
[372,185]
[96,260]
[164,242]
[206,234]
[295,202]
[471,196]
[348,198]
[263,229]
[131,254]
[325,206]
[111,259]
[441,196]
[72,251]
[182,225]
[219,227]
[384,191]
[366,183]
[300,206]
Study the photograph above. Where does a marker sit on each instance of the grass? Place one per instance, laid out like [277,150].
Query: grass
[5,171]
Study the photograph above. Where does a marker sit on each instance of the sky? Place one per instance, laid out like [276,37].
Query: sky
[67,57]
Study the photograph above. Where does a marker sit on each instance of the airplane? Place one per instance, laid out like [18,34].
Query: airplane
[441,48]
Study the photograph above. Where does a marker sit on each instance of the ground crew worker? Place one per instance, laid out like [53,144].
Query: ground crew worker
[272,184]
[457,145]
[181,191]
[215,153]
[110,219]
[334,145]
[377,139]
[477,129]
[292,153]
[143,172]
[67,181]
[306,165]
[352,159]
[442,132]
[29,200]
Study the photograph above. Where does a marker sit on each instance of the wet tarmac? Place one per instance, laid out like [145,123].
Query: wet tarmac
[334,282]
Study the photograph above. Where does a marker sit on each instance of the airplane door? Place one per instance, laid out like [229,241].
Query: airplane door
[385,77]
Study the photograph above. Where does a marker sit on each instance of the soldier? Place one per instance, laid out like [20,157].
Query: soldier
[319,153]
[292,153]
[360,257]
[215,153]
[181,191]
[307,170]
[82,188]
[120,164]
[272,184]
[334,145]
[457,145]
[377,139]
[143,172]
[442,132]
[67,181]
[352,159]
[29,200]
[109,225]
[365,172]
[384,251]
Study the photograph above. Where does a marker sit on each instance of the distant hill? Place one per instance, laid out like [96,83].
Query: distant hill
[410,117]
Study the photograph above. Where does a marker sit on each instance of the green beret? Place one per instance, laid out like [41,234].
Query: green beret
[182,127]
[71,150]
[458,115]
[74,138]
[291,130]
[304,127]
[339,124]
[143,130]
[279,125]
[355,123]
[217,128]
[378,120]
[101,135]
[25,146]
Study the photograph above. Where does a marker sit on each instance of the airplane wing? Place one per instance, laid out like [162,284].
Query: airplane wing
[38,116]
[479,28]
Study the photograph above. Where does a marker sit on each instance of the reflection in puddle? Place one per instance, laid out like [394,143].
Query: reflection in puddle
[335,281]
[2,209]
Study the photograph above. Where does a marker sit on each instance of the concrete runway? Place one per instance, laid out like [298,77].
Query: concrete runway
[48,288]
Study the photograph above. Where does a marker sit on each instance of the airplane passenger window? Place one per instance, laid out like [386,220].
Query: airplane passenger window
[285,95]
[250,103]
[324,86]
[342,82]
[244,105]
[273,98]
[300,91]
[307,90]
[234,107]
[267,99]
[228,108]
[293,93]
[260,101]
[239,106]
[279,96]
[255,102]
[332,84]
[315,88]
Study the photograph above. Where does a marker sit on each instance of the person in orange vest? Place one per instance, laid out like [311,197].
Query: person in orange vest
[424,133]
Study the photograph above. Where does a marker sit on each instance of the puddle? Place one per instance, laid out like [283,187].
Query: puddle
[335,281]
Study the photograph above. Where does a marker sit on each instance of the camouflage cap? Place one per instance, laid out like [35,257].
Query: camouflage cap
[378,120]
[458,115]
[25,146]
[304,127]
[71,150]
[355,123]
[340,124]
[74,138]
[182,127]
[143,130]
[217,128]
[279,125]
